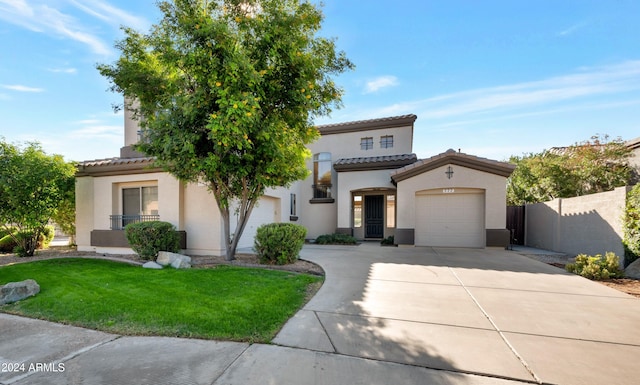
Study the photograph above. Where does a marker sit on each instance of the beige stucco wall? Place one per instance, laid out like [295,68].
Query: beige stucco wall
[325,218]
[358,180]
[130,127]
[84,212]
[463,177]
[347,145]
[99,197]
[590,224]
[318,218]
[191,208]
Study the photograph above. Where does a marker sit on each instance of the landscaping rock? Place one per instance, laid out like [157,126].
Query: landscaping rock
[182,263]
[152,265]
[16,291]
[177,261]
[633,270]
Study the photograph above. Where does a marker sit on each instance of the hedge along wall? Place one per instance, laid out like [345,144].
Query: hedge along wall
[589,224]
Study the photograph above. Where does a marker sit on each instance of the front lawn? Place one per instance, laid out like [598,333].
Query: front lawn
[228,303]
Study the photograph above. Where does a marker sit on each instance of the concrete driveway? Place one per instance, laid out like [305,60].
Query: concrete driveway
[383,316]
[489,312]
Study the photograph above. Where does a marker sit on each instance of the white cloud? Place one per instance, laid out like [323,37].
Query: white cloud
[63,70]
[21,88]
[584,88]
[98,131]
[379,83]
[110,14]
[572,29]
[40,17]
[88,121]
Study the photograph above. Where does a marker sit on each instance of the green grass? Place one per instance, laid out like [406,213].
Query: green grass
[228,303]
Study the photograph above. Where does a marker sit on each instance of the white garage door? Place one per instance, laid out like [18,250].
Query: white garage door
[264,212]
[450,220]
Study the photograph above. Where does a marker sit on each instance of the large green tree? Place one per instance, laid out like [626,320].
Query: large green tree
[588,167]
[33,185]
[226,92]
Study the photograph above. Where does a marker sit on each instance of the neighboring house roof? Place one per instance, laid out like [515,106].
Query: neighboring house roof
[633,143]
[364,125]
[383,162]
[116,166]
[453,157]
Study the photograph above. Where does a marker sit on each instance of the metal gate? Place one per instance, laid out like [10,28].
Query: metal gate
[515,224]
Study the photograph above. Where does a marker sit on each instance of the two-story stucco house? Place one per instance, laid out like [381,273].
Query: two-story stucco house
[364,180]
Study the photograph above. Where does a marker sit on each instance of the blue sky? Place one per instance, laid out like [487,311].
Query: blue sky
[492,78]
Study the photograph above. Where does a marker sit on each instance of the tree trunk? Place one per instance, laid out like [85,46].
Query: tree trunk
[244,211]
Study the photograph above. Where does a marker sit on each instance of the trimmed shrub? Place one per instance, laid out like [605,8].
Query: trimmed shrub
[388,241]
[631,225]
[8,243]
[279,243]
[597,267]
[149,238]
[336,239]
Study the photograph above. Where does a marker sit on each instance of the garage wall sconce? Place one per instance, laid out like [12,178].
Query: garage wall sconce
[449,172]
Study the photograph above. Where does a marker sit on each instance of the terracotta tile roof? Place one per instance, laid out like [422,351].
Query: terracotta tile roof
[116,166]
[453,157]
[114,161]
[382,162]
[633,143]
[370,124]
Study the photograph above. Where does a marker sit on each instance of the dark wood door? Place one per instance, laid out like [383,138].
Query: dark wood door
[374,216]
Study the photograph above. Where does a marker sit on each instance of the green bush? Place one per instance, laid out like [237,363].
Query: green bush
[631,224]
[336,239]
[597,268]
[8,243]
[46,236]
[149,238]
[388,241]
[279,243]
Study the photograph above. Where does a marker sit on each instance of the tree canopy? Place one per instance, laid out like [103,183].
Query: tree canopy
[588,167]
[226,92]
[33,185]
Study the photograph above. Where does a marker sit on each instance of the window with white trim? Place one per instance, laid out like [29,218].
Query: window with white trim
[366,143]
[386,141]
[357,211]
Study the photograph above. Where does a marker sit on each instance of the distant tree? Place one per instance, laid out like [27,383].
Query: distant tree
[587,167]
[226,92]
[32,186]
[65,216]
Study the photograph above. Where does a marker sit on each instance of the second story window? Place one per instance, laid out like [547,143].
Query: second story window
[322,175]
[386,141]
[366,143]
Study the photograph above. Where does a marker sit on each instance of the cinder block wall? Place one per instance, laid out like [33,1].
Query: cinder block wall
[590,224]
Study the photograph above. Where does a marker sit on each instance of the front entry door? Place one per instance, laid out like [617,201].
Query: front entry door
[374,216]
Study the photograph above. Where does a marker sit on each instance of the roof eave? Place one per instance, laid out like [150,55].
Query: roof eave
[501,169]
[364,125]
[144,167]
[371,166]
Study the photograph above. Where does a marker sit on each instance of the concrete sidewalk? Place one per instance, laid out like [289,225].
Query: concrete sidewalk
[384,316]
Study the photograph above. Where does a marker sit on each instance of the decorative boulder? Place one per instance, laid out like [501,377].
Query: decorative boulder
[633,270]
[182,263]
[16,291]
[152,265]
[177,261]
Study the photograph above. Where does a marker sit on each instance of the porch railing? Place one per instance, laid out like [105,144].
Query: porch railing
[118,222]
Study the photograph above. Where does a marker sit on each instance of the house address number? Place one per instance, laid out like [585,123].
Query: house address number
[448,190]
